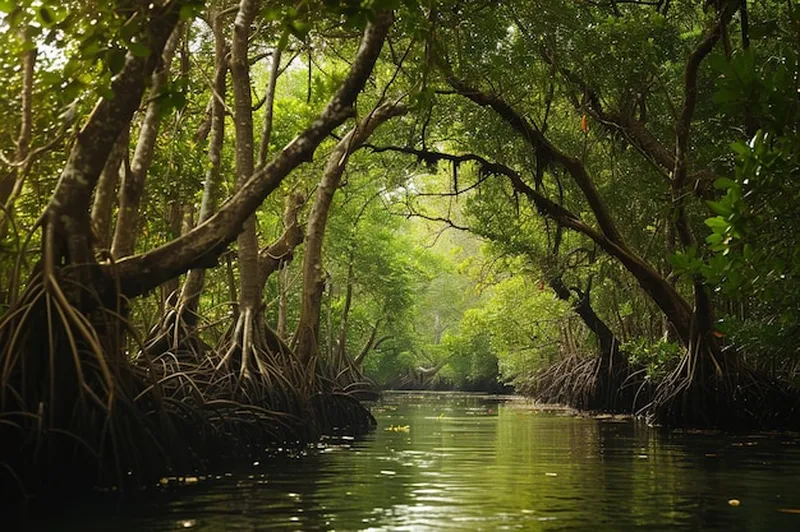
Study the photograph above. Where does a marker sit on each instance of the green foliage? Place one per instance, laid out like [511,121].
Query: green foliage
[479,302]
[658,358]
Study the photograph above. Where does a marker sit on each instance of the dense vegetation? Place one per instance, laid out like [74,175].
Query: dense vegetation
[225,223]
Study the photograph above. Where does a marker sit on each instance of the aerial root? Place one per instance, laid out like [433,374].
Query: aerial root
[584,383]
[705,392]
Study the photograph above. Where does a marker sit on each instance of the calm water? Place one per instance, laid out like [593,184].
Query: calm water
[471,462]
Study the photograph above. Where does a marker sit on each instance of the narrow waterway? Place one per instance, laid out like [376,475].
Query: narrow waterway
[446,461]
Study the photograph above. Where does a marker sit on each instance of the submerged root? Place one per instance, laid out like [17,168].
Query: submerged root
[705,391]
[258,367]
[67,408]
[75,412]
[253,365]
[585,384]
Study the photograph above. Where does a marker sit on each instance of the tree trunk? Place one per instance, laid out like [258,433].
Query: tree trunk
[189,300]
[133,181]
[368,346]
[612,366]
[341,348]
[306,340]
[269,104]
[104,194]
[283,290]
[11,180]
[247,242]
[66,220]
[59,356]
[280,253]
[176,216]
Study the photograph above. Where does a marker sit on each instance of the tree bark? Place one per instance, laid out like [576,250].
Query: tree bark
[306,339]
[348,299]
[247,241]
[341,347]
[11,180]
[189,300]
[132,187]
[104,194]
[280,253]
[368,346]
[283,302]
[269,105]
[611,364]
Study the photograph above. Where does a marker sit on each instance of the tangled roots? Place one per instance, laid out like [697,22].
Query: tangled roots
[585,384]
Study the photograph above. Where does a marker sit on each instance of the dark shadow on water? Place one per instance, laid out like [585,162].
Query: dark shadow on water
[477,462]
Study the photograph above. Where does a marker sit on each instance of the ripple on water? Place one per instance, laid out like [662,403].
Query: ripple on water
[472,462]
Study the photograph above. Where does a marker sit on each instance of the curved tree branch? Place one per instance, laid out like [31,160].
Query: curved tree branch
[203,245]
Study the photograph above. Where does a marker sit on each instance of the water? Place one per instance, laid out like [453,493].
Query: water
[470,462]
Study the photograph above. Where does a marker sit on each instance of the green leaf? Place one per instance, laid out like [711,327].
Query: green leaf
[115,59]
[138,49]
[724,183]
[720,64]
[679,260]
[734,278]
[741,148]
[130,28]
[271,14]
[106,93]
[46,16]
[718,224]
[178,99]
[7,6]
[299,28]
[722,208]
[186,13]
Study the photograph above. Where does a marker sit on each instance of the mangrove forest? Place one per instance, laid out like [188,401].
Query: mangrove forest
[227,226]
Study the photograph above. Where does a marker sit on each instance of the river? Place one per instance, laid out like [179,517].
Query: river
[450,461]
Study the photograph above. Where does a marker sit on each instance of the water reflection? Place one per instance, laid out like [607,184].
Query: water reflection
[468,462]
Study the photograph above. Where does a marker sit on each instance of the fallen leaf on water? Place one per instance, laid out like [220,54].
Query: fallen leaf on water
[734,502]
